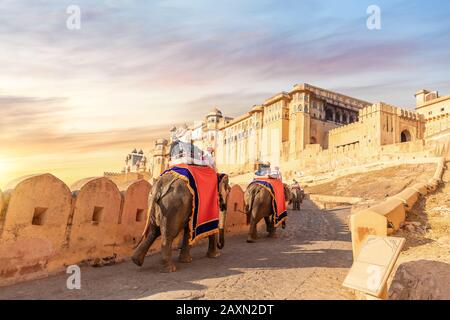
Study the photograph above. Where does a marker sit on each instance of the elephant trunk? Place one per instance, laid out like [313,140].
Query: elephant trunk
[222,222]
[221,241]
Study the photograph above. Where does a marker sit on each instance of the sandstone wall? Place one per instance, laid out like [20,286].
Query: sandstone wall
[133,215]
[95,219]
[34,226]
[387,216]
[46,226]
[314,160]
[236,217]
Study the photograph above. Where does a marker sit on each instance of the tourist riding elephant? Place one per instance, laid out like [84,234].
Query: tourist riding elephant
[298,195]
[170,209]
[258,205]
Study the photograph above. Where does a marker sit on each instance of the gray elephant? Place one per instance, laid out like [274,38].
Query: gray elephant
[170,209]
[258,205]
[298,194]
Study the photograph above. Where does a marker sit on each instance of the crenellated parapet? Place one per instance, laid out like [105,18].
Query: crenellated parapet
[344,129]
[390,109]
[46,226]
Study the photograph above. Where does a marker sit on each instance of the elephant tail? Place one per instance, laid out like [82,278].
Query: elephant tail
[250,197]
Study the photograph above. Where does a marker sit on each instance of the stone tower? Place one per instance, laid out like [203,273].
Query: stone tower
[160,157]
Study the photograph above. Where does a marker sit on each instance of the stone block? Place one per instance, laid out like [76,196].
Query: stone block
[133,216]
[95,220]
[364,223]
[409,197]
[34,227]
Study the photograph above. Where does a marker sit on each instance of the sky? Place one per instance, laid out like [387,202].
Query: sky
[74,102]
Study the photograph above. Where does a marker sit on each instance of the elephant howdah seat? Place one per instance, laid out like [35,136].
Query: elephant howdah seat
[276,189]
[202,182]
[187,153]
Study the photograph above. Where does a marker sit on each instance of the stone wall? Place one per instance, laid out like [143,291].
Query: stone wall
[46,226]
[314,160]
[387,216]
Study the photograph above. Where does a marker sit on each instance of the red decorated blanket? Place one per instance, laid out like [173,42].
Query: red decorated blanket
[276,189]
[203,184]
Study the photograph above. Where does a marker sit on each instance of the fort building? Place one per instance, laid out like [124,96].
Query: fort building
[136,168]
[436,111]
[290,128]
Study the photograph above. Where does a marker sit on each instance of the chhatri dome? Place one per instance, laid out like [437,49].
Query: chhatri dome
[215,112]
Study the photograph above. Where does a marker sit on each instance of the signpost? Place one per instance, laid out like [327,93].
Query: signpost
[375,262]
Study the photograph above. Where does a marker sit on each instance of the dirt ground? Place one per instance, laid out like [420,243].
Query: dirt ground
[376,185]
[423,268]
[309,260]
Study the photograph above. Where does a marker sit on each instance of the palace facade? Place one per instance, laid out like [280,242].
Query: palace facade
[285,128]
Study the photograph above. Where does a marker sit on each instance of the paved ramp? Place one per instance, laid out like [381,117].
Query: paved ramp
[309,260]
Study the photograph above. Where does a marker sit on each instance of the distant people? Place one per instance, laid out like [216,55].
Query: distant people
[276,174]
[182,150]
[263,170]
[209,159]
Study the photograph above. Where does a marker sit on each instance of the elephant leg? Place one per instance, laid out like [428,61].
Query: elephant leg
[253,234]
[213,252]
[270,227]
[166,254]
[185,256]
[140,252]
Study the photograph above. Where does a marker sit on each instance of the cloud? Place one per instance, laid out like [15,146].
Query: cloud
[137,67]
[21,115]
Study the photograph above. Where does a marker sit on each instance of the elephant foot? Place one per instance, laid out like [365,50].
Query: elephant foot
[185,259]
[213,254]
[272,235]
[251,240]
[137,261]
[168,268]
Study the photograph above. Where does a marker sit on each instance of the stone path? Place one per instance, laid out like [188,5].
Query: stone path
[309,260]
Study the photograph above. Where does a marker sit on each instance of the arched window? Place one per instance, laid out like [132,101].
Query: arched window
[313,140]
[405,136]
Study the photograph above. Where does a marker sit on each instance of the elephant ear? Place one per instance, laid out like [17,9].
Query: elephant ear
[223,178]
[287,190]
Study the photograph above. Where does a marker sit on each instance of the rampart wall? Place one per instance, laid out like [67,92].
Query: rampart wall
[46,226]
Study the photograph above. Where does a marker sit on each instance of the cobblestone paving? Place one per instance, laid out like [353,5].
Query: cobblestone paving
[308,260]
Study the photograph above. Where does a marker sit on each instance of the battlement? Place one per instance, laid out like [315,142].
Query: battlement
[45,225]
[345,128]
[387,108]
[112,174]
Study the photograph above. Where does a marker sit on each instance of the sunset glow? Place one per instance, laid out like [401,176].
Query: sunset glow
[75,102]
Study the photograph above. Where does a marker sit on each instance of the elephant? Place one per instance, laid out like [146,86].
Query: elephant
[298,195]
[258,205]
[170,209]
